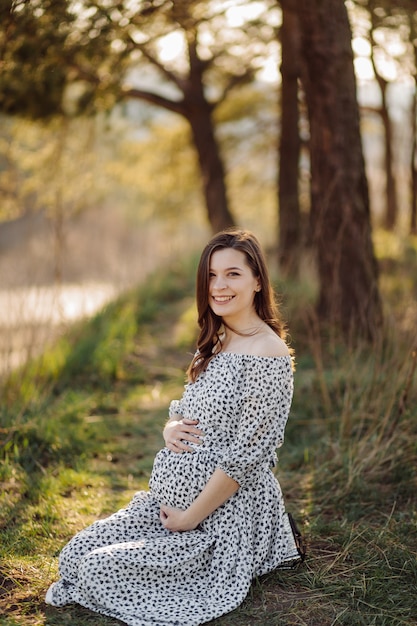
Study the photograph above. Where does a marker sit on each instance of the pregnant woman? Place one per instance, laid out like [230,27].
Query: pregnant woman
[186,551]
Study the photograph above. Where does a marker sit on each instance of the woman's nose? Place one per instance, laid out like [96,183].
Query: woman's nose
[219,283]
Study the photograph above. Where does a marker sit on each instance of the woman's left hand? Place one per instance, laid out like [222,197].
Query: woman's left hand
[176,520]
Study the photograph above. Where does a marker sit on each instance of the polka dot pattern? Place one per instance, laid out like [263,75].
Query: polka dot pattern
[128,566]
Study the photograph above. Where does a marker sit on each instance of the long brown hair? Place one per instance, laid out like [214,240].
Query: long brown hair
[264,300]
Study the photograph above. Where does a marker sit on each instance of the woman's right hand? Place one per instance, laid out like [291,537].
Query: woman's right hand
[178,432]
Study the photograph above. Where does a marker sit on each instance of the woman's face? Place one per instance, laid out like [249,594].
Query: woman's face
[232,285]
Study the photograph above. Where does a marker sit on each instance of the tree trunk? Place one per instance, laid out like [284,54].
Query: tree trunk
[198,112]
[413,160]
[413,164]
[211,165]
[289,146]
[391,207]
[340,216]
[391,210]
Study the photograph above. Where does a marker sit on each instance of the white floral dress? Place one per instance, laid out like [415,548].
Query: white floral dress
[130,567]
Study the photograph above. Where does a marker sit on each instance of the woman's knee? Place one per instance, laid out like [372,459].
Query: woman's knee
[95,571]
[72,553]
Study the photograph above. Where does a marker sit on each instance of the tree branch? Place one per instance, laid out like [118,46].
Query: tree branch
[234,81]
[171,76]
[153,98]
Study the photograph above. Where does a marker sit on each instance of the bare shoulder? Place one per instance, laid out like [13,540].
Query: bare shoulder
[268,344]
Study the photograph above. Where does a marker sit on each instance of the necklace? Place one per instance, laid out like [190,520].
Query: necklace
[246,332]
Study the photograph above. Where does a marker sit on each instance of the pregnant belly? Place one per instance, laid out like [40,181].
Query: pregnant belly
[177,479]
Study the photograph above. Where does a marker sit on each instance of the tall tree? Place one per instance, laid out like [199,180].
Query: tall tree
[114,50]
[412,23]
[340,216]
[193,104]
[374,20]
[413,162]
[390,28]
[391,210]
[413,156]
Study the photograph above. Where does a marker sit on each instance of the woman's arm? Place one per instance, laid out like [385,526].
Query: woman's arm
[218,489]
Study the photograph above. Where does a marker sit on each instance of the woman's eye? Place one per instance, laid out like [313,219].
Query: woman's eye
[234,274]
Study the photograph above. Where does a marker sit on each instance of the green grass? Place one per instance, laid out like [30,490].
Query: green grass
[80,427]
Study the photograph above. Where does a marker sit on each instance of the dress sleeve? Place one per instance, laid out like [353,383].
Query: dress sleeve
[174,408]
[264,408]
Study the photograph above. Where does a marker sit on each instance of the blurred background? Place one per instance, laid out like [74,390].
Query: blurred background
[131,130]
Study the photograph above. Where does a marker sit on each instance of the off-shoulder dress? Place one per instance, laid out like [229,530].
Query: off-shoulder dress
[130,567]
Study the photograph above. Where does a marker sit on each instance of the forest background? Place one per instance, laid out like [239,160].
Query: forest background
[131,131]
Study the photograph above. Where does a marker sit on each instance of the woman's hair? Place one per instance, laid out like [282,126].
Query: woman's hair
[264,300]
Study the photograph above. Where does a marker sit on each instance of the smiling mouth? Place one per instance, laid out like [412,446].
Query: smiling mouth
[222,298]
